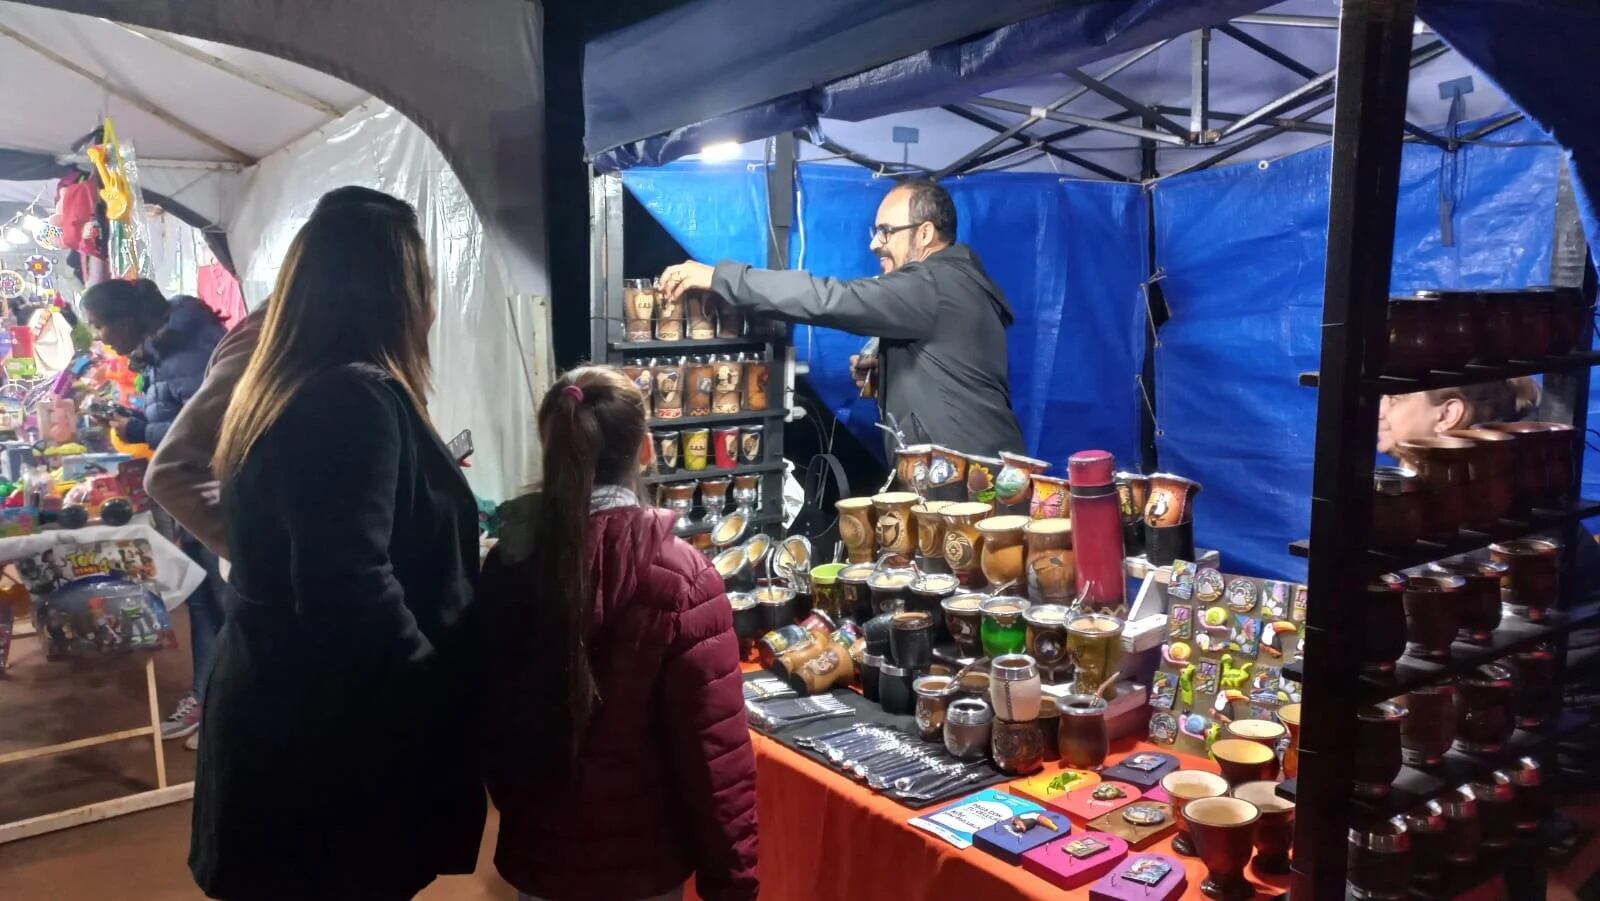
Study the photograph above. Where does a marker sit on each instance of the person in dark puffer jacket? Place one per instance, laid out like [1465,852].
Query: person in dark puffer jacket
[170,343]
[617,750]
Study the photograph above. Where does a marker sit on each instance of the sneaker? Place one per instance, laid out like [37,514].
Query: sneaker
[184,721]
[192,743]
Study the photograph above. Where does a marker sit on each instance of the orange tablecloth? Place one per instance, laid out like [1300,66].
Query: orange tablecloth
[825,836]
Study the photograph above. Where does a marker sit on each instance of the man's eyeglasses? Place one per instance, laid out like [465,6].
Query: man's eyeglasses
[883,232]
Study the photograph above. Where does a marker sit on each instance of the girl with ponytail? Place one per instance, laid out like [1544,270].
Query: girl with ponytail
[615,711]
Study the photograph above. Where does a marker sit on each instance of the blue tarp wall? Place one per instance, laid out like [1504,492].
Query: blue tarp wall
[1071,255]
[1241,253]
[1243,250]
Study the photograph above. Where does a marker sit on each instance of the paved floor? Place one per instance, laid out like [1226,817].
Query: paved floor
[142,857]
[139,857]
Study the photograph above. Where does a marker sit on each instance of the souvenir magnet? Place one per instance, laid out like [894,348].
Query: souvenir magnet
[1208,585]
[1089,858]
[1241,595]
[1181,585]
[1163,690]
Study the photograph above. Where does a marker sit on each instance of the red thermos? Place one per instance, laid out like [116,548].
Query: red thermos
[1097,529]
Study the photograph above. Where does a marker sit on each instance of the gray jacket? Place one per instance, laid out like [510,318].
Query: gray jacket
[941,325]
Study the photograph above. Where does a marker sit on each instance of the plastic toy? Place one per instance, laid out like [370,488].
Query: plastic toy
[73,516]
[116,512]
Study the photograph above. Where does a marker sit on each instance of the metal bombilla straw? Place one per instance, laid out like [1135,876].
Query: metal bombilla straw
[893,428]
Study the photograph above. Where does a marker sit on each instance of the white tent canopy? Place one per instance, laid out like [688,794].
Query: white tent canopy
[194,110]
[248,142]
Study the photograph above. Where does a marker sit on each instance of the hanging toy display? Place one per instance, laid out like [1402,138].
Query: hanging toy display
[127,245]
[12,284]
[48,236]
[39,267]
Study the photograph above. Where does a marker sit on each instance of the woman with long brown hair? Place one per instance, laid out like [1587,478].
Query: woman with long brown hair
[336,760]
[617,749]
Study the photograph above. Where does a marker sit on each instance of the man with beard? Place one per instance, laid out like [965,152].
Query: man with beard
[939,320]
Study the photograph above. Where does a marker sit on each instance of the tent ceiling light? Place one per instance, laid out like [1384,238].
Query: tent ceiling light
[723,150]
[16,235]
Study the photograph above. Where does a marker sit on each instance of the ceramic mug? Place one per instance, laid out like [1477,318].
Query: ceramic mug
[1426,826]
[961,539]
[1376,746]
[725,390]
[964,619]
[1264,733]
[639,308]
[929,520]
[1050,498]
[669,318]
[1289,716]
[892,511]
[1484,710]
[1013,486]
[1014,687]
[696,449]
[1379,858]
[700,380]
[1186,787]
[1017,747]
[1002,552]
[1094,641]
[1531,585]
[1479,602]
[1433,613]
[701,311]
[1274,833]
[981,473]
[668,390]
[947,475]
[1047,639]
[1050,567]
[1171,500]
[1244,761]
[1003,629]
[644,380]
[856,528]
[1223,831]
[911,467]
[967,726]
[1083,736]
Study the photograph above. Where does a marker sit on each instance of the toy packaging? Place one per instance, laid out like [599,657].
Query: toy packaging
[93,600]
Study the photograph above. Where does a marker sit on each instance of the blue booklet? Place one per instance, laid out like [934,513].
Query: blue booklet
[958,821]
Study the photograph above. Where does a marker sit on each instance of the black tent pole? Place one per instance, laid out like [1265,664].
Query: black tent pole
[1369,118]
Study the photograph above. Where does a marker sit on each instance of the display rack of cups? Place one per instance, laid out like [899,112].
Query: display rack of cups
[713,386]
[1456,647]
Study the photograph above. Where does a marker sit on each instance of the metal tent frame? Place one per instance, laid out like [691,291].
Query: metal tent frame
[1198,126]
[1366,93]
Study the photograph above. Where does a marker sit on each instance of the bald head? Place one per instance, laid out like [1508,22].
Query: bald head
[916,220]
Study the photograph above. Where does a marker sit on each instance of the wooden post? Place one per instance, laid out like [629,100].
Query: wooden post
[155,722]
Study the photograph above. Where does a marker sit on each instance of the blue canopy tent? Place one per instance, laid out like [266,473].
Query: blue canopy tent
[1231,259]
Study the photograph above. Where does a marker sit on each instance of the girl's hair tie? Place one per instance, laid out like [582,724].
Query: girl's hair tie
[574,392]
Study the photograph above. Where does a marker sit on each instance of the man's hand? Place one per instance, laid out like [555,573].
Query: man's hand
[680,278]
[861,369]
[120,425]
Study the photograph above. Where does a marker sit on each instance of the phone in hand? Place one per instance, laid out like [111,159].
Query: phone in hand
[461,447]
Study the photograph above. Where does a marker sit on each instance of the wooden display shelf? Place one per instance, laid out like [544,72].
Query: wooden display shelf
[686,475]
[1512,636]
[716,419]
[756,522]
[1415,787]
[748,342]
[1470,374]
[1466,540]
